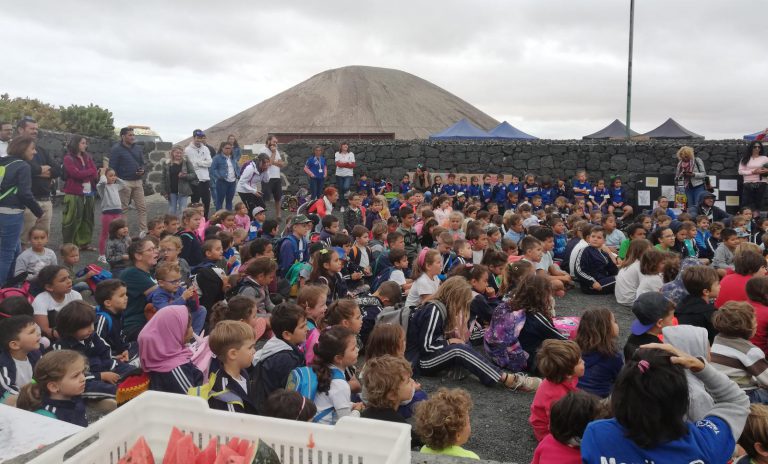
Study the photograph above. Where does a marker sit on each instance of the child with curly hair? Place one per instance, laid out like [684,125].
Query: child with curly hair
[442,422]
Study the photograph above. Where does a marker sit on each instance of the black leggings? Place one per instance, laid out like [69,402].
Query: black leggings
[251,201]
[752,195]
[202,194]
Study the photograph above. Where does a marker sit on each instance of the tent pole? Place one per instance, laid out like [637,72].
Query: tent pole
[629,66]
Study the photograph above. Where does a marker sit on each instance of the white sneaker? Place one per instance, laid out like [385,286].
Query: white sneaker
[102,259]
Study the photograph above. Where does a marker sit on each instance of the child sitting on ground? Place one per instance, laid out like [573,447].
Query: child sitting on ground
[569,417]
[57,286]
[211,280]
[388,383]
[723,257]
[111,299]
[597,337]
[703,285]
[754,438]
[653,312]
[560,363]
[258,276]
[117,247]
[191,245]
[734,355]
[280,355]
[70,257]
[171,291]
[234,346]
[19,352]
[37,256]
[385,298]
[58,387]
[442,423]
[596,266]
[326,270]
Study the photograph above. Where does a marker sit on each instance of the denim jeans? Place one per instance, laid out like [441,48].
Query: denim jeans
[10,247]
[177,203]
[225,192]
[694,195]
[316,187]
[342,184]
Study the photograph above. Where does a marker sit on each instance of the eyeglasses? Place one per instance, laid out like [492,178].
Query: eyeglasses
[150,249]
[174,282]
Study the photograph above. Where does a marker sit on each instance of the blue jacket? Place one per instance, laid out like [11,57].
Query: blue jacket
[98,353]
[218,169]
[8,372]
[600,372]
[234,398]
[109,328]
[161,298]
[72,411]
[18,174]
[126,161]
[290,252]
[272,366]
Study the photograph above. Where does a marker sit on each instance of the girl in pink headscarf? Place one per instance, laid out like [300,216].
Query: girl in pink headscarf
[164,354]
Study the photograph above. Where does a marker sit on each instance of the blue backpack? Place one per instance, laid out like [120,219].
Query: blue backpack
[383,276]
[304,380]
[298,254]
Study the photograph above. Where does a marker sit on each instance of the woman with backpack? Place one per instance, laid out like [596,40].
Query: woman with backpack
[249,185]
[15,197]
[178,180]
[437,339]
[79,190]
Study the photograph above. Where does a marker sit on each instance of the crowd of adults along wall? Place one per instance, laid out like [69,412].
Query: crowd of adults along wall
[393,158]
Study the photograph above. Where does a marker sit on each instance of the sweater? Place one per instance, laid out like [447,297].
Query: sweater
[741,361]
[693,310]
[723,258]
[79,173]
[110,195]
[711,440]
[600,372]
[733,287]
[271,367]
[761,334]
[551,451]
[18,175]
[547,394]
[126,161]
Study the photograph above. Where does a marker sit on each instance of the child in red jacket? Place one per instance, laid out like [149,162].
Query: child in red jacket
[560,363]
[569,418]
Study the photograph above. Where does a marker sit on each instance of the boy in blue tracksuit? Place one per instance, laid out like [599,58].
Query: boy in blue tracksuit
[450,188]
[317,171]
[581,187]
[19,352]
[112,299]
[596,269]
[500,192]
[474,188]
[515,186]
[280,355]
[486,191]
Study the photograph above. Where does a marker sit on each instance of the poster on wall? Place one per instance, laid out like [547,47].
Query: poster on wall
[664,185]
[643,198]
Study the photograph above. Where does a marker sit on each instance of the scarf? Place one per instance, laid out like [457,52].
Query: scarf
[162,346]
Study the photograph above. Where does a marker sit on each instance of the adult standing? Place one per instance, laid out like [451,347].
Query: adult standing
[79,194]
[139,284]
[213,152]
[345,165]
[224,174]
[252,177]
[274,188]
[44,171]
[127,159]
[752,168]
[693,173]
[6,131]
[178,180]
[200,157]
[422,181]
[237,152]
[15,196]
[316,169]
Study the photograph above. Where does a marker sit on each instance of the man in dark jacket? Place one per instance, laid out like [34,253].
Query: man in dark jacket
[44,171]
[280,355]
[127,159]
[707,208]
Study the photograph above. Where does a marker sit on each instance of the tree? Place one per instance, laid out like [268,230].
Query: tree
[90,120]
[12,110]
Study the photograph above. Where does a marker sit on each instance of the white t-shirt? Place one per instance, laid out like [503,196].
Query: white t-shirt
[574,256]
[546,261]
[422,286]
[627,281]
[337,397]
[398,277]
[347,157]
[649,283]
[23,372]
[364,261]
[44,302]
[273,171]
[615,238]
[477,256]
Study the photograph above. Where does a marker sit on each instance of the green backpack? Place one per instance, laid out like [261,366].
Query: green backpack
[12,190]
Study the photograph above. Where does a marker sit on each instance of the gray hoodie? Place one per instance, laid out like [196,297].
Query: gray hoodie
[110,194]
[693,340]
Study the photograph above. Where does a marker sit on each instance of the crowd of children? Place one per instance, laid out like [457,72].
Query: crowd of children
[468,282]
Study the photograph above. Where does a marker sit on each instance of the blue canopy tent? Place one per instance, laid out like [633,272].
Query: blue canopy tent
[462,130]
[507,131]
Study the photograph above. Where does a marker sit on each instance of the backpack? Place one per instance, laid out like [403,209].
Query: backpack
[501,340]
[298,254]
[403,316]
[23,292]
[381,277]
[12,190]
[304,380]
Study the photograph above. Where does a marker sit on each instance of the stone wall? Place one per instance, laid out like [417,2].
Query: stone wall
[393,158]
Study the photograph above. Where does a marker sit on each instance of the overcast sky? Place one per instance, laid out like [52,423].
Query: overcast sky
[555,69]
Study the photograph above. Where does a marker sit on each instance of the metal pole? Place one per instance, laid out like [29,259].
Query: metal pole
[629,65]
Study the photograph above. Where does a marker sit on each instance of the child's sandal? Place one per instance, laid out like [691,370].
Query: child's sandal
[520,382]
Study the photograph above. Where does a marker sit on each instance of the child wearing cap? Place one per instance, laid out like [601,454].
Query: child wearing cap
[293,248]
[259,215]
[653,312]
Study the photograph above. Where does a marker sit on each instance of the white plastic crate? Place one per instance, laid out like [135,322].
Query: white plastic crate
[154,414]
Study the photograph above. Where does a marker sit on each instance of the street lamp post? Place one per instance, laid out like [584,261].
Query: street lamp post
[629,65]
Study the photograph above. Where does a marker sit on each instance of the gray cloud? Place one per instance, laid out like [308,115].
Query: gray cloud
[554,68]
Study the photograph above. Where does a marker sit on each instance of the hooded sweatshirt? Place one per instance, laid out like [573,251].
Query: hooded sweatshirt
[694,341]
[271,367]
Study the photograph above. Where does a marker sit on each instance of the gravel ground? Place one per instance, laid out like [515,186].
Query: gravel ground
[500,429]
